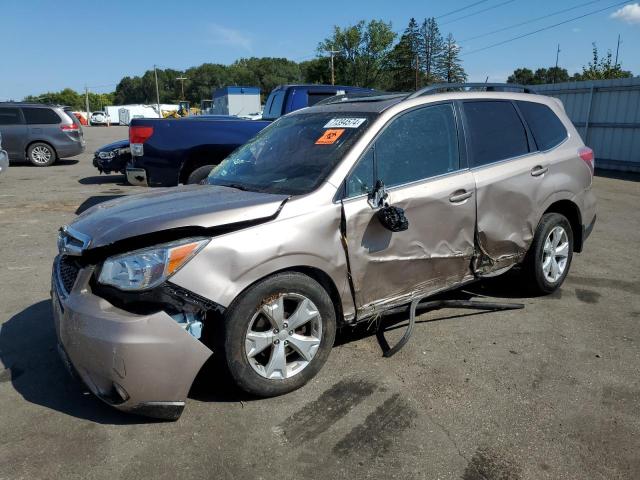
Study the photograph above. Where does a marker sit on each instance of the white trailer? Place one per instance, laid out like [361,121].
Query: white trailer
[237,101]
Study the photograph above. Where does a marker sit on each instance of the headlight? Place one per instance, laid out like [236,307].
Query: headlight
[149,267]
[107,155]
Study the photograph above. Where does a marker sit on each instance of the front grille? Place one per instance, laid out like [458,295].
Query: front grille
[68,270]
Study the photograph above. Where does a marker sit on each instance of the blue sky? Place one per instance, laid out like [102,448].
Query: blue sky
[49,45]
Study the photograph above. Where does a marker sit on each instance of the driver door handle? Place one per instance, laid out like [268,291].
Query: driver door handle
[459,196]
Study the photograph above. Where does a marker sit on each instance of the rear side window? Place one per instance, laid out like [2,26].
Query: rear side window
[9,116]
[273,108]
[39,116]
[495,131]
[315,97]
[546,127]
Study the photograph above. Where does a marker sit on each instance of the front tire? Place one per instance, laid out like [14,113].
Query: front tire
[278,334]
[549,257]
[199,174]
[41,154]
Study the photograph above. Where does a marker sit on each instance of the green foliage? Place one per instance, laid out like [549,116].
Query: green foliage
[452,70]
[404,60]
[433,51]
[602,68]
[363,52]
[597,69]
[70,98]
[525,76]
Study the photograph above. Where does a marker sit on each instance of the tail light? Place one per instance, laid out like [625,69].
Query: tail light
[139,134]
[586,154]
[69,128]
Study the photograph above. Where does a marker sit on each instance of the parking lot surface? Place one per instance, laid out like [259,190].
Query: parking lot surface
[551,391]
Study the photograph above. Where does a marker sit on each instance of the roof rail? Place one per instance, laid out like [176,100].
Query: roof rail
[360,97]
[487,87]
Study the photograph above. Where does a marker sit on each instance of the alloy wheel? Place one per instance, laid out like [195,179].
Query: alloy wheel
[555,254]
[41,154]
[283,336]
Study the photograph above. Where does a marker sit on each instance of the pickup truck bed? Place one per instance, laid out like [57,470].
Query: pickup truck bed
[166,152]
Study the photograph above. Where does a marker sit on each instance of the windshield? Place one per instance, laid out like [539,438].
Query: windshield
[293,155]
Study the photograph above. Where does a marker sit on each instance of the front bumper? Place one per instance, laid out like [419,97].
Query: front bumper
[137,176]
[142,364]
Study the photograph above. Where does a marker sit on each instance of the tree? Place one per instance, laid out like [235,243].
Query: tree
[363,51]
[452,70]
[523,76]
[404,62]
[317,70]
[433,49]
[602,68]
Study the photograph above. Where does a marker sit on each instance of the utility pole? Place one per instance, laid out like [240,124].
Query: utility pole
[155,72]
[417,70]
[182,79]
[555,72]
[617,50]
[86,102]
[333,75]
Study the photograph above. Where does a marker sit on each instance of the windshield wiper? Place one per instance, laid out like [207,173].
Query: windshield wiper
[237,186]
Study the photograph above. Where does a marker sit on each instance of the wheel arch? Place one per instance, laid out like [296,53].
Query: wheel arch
[201,156]
[317,274]
[571,211]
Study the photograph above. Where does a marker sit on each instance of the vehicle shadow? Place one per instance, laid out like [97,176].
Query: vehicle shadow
[28,350]
[118,179]
[95,200]
[62,162]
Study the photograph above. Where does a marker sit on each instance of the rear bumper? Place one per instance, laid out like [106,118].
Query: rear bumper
[70,150]
[141,364]
[137,176]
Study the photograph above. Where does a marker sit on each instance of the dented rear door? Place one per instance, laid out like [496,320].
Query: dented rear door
[512,181]
[417,157]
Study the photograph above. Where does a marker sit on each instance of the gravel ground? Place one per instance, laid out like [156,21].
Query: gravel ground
[551,391]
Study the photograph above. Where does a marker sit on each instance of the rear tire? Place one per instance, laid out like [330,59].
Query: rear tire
[273,353]
[41,154]
[199,174]
[548,260]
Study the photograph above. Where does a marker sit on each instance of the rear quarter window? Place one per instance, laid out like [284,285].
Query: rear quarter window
[547,129]
[495,131]
[40,116]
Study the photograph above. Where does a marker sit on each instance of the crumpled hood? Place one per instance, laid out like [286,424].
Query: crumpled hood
[114,145]
[168,208]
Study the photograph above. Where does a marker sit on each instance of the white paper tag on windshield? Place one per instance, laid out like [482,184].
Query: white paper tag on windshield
[345,122]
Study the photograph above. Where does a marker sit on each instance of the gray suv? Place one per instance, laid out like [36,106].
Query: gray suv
[328,217]
[39,133]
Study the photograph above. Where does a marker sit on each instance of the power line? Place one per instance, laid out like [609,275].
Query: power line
[461,9]
[478,12]
[509,27]
[543,29]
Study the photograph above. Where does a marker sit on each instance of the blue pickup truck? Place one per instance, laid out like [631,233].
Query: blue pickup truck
[167,152]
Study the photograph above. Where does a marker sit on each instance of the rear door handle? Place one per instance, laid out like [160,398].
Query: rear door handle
[539,170]
[459,196]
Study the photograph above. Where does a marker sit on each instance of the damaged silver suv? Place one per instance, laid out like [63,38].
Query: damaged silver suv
[327,217]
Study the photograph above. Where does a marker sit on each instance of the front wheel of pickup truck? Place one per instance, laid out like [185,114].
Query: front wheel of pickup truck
[278,334]
[199,175]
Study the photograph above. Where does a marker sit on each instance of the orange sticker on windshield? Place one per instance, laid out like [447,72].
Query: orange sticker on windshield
[330,136]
